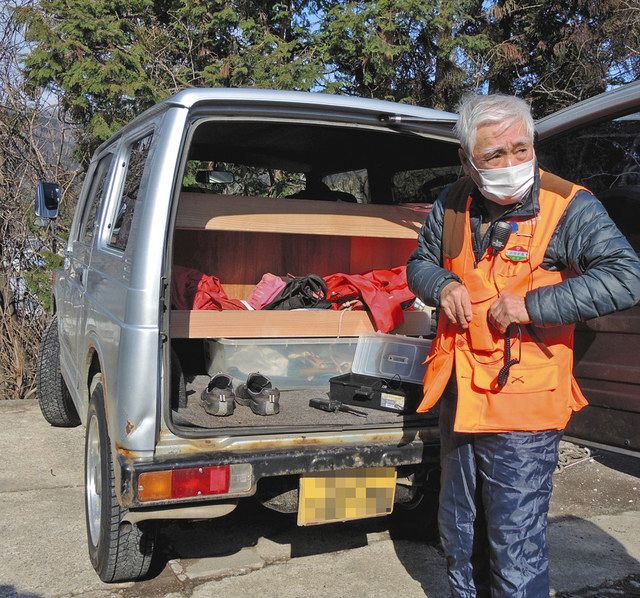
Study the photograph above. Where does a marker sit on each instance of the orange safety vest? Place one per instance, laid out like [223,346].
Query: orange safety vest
[541,392]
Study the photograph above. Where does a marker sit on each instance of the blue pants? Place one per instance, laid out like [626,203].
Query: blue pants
[494,500]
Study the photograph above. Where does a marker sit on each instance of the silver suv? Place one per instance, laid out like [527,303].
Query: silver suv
[195,201]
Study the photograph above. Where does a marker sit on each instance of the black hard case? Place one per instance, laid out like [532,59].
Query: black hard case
[359,390]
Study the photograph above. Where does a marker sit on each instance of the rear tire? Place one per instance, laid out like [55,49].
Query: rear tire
[418,520]
[53,395]
[119,551]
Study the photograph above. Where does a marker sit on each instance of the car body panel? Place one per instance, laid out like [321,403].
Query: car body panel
[617,101]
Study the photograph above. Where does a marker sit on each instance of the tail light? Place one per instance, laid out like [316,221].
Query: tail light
[194,482]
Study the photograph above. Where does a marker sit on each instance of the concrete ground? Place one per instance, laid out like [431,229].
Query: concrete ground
[594,536]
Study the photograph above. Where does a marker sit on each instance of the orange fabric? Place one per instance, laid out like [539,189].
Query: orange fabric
[541,393]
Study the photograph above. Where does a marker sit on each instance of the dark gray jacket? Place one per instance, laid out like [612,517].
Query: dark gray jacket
[604,269]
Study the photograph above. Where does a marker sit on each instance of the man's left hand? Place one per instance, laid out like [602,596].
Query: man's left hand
[508,309]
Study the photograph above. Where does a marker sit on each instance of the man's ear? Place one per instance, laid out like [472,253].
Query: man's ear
[464,160]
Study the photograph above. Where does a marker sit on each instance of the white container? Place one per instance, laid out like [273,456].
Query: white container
[290,363]
[392,357]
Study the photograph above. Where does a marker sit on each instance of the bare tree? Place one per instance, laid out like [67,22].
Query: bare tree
[35,144]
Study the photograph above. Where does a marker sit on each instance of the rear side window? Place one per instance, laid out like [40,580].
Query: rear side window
[94,199]
[605,158]
[138,154]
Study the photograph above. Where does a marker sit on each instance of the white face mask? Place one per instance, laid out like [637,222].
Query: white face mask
[505,186]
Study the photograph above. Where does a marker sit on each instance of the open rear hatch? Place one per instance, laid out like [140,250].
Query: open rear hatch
[284,198]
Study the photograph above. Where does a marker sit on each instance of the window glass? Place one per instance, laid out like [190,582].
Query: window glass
[605,158]
[94,199]
[240,179]
[138,154]
[258,181]
[349,186]
[422,185]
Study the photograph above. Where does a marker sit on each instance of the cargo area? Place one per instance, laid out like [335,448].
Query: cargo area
[265,202]
[305,370]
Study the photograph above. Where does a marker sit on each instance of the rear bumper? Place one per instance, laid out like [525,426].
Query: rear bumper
[282,463]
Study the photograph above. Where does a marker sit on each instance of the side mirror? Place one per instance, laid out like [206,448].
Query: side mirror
[47,200]
[207,177]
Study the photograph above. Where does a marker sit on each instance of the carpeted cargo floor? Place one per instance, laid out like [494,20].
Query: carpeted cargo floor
[294,411]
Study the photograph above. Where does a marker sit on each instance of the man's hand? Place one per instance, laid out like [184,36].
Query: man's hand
[508,309]
[454,300]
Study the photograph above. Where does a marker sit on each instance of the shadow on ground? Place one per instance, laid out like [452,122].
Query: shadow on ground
[249,522]
[11,592]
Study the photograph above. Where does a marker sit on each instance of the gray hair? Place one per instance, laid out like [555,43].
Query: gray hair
[477,110]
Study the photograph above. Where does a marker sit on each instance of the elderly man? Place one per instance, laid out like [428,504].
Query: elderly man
[513,256]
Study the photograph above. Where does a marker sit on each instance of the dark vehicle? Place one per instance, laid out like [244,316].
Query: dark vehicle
[597,143]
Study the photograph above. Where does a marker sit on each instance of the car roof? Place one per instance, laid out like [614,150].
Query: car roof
[190,98]
[621,99]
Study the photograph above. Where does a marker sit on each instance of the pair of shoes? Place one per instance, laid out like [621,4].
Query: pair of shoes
[257,393]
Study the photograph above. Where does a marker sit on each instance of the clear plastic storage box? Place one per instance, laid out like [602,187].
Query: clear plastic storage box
[290,363]
[391,356]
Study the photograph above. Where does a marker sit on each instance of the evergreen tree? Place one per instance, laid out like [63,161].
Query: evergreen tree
[107,60]
[403,50]
[90,54]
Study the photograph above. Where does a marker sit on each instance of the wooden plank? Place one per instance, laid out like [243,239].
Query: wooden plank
[234,257]
[199,211]
[238,291]
[310,323]
[369,254]
[240,259]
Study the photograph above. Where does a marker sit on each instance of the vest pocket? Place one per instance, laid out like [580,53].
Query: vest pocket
[534,398]
[482,293]
[522,379]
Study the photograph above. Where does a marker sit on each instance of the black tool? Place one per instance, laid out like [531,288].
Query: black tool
[334,406]
[503,374]
[500,235]
[499,239]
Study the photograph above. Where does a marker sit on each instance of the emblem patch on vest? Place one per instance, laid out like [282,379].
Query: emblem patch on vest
[517,253]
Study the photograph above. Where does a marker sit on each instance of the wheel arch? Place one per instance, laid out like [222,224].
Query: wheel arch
[92,367]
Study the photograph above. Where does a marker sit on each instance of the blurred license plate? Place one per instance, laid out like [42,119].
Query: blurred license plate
[346,494]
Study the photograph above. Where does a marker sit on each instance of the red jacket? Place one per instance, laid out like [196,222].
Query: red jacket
[382,291]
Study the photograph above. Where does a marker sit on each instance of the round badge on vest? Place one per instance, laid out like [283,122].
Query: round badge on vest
[517,253]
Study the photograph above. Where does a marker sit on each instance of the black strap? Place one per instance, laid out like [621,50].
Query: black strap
[503,374]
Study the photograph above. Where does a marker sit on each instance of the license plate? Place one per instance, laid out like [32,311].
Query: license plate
[346,494]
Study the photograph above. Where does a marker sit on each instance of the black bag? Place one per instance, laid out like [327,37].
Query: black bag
[301,291]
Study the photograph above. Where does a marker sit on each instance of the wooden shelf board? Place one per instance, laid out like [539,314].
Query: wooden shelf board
[304,323]
[202,211]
